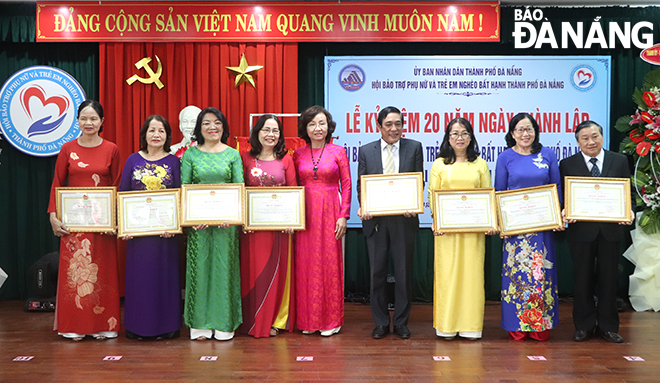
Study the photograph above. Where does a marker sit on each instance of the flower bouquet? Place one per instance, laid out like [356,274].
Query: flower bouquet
[643,144]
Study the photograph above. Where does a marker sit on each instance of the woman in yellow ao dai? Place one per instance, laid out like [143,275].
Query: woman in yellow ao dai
[458,293]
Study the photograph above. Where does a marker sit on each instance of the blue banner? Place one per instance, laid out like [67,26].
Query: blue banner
[559,91]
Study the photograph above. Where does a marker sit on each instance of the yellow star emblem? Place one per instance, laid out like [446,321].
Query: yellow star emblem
[242,72]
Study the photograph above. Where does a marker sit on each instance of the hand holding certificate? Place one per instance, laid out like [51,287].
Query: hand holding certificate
[392,194]
[213,204]
[464,210]
[598,199]
[90,209]
[529,210]
[144,213]
[275,208]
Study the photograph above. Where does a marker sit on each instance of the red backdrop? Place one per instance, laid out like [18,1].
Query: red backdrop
[194,74]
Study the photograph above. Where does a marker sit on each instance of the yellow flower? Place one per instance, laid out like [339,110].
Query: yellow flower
[160,172]
[153,183]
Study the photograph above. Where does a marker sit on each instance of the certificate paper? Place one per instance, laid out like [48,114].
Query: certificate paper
[464,211]
[529,210]
[86,209]
[275,208]
[597,199]
[213,204]
[392,194]
[143,213]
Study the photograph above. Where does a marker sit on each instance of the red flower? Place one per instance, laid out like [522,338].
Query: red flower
[647,117]
[533,318]
[636,136]
[656,147]
[649,99]
[651,135]
[643,148]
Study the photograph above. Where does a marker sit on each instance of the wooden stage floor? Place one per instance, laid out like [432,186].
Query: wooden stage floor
[350,356]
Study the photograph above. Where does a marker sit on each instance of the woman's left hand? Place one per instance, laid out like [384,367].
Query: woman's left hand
[167,235]
[288,230]
[340,228]
[492,232]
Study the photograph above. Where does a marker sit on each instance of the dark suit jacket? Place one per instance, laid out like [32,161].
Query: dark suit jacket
[370,161]
[614,165]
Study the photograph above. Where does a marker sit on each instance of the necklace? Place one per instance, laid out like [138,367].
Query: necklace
[316,162]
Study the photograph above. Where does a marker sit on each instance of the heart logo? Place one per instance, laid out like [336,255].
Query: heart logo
[583,77]
[40,126]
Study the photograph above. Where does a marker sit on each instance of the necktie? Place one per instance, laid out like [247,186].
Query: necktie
[389,160]
[594,169]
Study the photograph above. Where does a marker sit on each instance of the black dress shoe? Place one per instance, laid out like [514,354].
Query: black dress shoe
[611,336]
[402,331]
[380,332]
[582,335]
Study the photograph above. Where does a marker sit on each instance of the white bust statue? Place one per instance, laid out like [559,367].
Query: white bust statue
[187,119]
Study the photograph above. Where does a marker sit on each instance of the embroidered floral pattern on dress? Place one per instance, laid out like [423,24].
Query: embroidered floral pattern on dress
[264,178]
[525,266]
[82,273]
[152,175]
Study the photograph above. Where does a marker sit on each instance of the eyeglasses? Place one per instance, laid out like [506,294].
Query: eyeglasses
[321,125]
[528,130]
[463,135]
[267,131]
[206,124]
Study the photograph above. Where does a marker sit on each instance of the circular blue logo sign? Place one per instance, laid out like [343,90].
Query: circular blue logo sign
[38,107]
[583,77]
[351,77]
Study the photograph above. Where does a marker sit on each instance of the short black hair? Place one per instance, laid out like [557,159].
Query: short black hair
[387,110]
[197,133]
[511,142]
[308,115]
[95,105]
[145,127]
[587,124]
[447,152]
[279,151]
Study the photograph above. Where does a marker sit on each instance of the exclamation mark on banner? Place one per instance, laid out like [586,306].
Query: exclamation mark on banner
[481,22]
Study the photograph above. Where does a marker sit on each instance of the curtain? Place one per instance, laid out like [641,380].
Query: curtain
[25,232]
[194,74]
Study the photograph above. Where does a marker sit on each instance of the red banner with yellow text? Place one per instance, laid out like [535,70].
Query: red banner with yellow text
[268,22]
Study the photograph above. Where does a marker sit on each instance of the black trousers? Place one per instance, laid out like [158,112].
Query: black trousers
[596,267]
[394,235]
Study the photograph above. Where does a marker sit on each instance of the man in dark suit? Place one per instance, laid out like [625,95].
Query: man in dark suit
[393,235]
[595,246]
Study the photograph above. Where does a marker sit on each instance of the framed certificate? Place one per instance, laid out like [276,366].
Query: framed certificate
[597,199]
[464,210]
[153,212]
[275,208]
[392,194]
[89,209]
[529,210]
[212,204]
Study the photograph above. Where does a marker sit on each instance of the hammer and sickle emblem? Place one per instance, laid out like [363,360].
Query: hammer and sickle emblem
[153,77]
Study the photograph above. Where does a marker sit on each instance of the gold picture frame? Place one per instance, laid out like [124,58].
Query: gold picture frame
[597,199]
[392,194]
[464,210]
[275,208]
[149,212]
[528,210]
[200,204]
[87,209]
